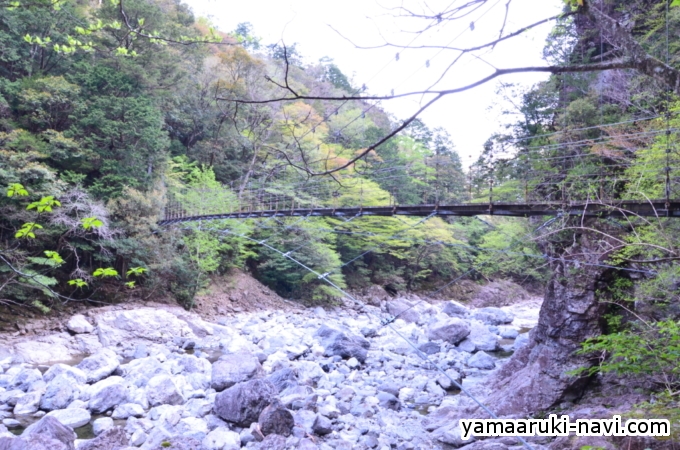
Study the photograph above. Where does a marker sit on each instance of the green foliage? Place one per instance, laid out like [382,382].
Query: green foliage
[105,272]
[135,271]
[91,222]
[44,205]
[78,283]
[26,230]
[16,189]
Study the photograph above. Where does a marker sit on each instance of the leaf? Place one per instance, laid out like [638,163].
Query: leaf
[54,256]
[16,189]
[26,230]
[130,284]
[78,282]
[91,222]
[105,272]
[136,271]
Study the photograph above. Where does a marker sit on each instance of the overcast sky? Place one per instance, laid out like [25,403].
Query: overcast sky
[316,26]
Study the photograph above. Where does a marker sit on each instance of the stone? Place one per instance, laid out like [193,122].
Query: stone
[343,343]
[49,427]
[275,419]
[99,365]
[79,324]
[24,379]
[242,403]
[140,371]
[466,345]
[492,316]
[455,309]
[111,439]
[127,410]
[59,393]
[72,417]
[403,310]
[72,373]
[508,332]
[27,404]
[234,368]
[481,337]
[222,438]
[102,424]
[389,401]
[322,425]
[430,348]
[162,390]
[45,349]
[521,341]
[283,378]
[445,381]
[481,360]
[451,330]
[273,442]
[193,427]
[107,394]
[151,324]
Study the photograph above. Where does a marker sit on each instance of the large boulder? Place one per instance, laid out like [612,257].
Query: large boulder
[45,349]
[27,403]
[59,393]
[492,316]
[99,365]
[139,371]
[72,373]
[24,379]
[151,324]
[107,394]
[343,343]
[222,438]
[452,330]
[481,360]
[111,439]
[162,390]
[482,338]
[403,310]
[72,417]
[79,324]
[275,419]
[234,368]
[46,434]
[242,403]
[455,309]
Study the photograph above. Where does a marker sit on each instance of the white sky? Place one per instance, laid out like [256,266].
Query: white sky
[469,116]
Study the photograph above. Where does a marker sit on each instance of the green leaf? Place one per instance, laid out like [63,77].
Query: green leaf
[91,222]
[26,230]
[136,271]
[130,284]
[16,189]
[78,282]
[45,204]
[105,272]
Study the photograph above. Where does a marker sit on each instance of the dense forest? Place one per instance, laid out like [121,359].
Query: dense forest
[102,122]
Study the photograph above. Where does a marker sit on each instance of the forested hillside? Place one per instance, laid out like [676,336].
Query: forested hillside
[100,124]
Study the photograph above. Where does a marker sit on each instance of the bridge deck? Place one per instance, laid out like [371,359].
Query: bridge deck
[622,208]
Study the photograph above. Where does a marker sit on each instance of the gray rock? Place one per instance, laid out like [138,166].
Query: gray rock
[389,401]
[273,442]
[242,403]
[140,371]
[481,337]
[403,310]
[111,439]
[492,316]
[521,341]
[222,438]
[508,332]
[59,393]
[28,403]
[481,360]
[466,345]
[24,379]
[322,425]
[275,419]
[283,378]
[455,309]
[49,428]
[127,410]
[342,343]
[390,387]
[72,373]
[162,390]
[430,348]
[452,330]
[107,394]
[151,324]
[234,368]
[99,365]
[445,381]
[73,417]
[79,324]
[102,424]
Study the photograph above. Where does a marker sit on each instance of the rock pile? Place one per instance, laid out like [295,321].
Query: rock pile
[270,380]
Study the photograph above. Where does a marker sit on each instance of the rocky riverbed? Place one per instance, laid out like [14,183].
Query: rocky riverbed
[160,377]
